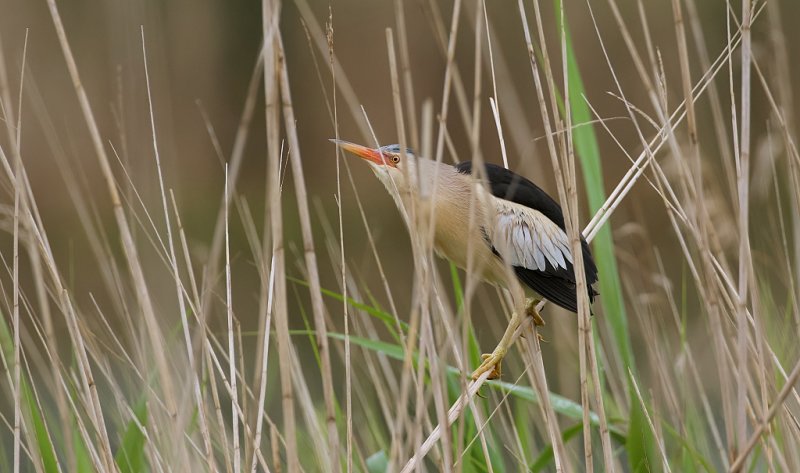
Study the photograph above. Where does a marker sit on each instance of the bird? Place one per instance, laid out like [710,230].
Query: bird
[519,240]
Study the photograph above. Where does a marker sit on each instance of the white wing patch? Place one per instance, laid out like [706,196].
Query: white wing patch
[525,237]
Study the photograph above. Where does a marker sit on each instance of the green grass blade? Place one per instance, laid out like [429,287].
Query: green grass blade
[83,460]
[43,442]
[560,404]
[473,348]
[29,405]
[130,456]
[387,318]
[378,462]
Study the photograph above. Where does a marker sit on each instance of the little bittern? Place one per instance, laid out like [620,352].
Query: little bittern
[516,224]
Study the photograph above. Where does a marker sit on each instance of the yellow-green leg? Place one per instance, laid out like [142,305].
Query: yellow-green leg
[491,361]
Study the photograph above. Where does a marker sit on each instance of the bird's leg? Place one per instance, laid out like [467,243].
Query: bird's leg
[492,361]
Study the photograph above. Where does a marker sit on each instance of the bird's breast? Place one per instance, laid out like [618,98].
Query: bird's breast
[461,237]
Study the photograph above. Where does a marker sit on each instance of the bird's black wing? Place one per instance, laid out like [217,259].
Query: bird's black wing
[534,246]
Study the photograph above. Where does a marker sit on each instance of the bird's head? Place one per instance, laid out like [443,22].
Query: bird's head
[397,170]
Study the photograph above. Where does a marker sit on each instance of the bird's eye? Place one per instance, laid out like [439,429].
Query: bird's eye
[395,159]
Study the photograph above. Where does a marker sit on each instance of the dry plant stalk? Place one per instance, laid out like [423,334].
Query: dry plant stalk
[272,69]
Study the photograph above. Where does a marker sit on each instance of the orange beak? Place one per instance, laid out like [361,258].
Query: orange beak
[369,154]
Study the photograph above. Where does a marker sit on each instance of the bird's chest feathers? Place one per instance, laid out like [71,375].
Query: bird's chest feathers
[460,230]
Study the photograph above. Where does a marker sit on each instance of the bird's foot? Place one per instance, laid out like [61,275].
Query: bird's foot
[491,362]
[530,309]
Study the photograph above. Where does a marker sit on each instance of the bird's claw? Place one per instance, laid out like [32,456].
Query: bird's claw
[532,312]
[538,335]
[491,362]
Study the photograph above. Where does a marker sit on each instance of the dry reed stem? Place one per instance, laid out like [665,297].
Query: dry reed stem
[743,186]
[14,128]
[311,261]
[559,451]
[411,340]
[787,388]
[234,395]
[452,414]
[18,195]
[585,339]
[569,197]
[201,331]
[652,146]
[263,362]
[270,12]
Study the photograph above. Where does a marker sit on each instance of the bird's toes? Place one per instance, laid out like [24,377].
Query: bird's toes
[491,362]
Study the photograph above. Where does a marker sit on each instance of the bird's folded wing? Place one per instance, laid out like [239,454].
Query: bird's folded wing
[537,249]
[528,239]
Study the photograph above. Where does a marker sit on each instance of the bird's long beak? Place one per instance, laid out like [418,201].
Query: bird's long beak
[369,154]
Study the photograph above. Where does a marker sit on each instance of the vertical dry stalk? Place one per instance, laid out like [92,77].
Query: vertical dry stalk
[406,372]
[19,197]
[17,390]
[315,289]
[743,185]
[555,437]
[569,196]
[202,408]
[263,359]
[343,269]
[272,67]
[237,459]
[787,388]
